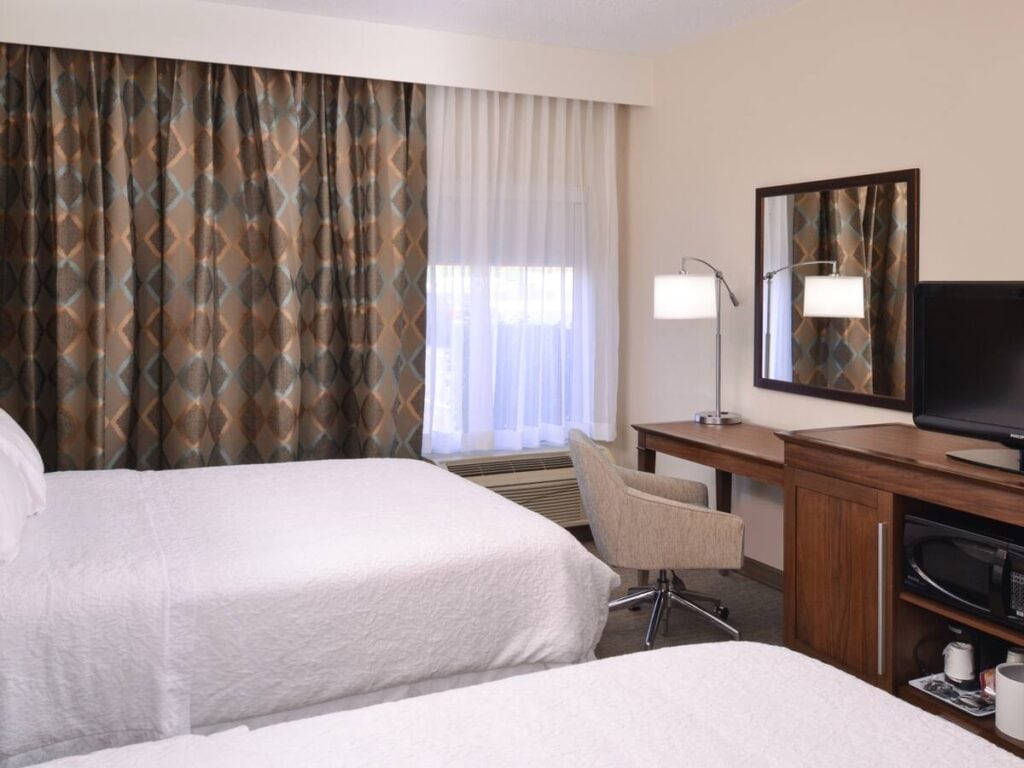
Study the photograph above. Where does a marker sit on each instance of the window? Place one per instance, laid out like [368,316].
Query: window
[522,315]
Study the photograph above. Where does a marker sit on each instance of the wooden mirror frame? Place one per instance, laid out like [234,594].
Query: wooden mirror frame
[911,176]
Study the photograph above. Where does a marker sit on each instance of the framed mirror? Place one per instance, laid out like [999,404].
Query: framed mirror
[836,264]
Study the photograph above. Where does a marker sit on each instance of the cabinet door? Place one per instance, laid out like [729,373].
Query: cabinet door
[837,584]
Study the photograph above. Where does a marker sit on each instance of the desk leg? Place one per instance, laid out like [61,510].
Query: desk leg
[723,490]
[645,459]
[723,495]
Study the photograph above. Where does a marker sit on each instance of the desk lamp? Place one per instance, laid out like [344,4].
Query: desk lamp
[688,297]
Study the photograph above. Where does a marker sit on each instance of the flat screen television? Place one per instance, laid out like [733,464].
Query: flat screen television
[969,366]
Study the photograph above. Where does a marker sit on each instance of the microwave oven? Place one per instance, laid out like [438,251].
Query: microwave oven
[976,567]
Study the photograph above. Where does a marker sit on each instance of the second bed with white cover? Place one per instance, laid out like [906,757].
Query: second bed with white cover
[149,604]
[722,704]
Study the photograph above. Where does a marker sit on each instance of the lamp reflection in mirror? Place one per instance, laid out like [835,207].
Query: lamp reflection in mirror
[690,297]
[831,295]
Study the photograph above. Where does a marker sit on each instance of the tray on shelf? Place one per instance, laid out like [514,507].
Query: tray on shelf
[974,703]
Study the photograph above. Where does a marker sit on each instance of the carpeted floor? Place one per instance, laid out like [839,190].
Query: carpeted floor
[754,609]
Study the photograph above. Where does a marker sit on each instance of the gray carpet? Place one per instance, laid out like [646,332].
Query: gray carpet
[754,609]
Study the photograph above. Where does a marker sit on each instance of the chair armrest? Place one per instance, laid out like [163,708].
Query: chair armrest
[669,534]
[674,488]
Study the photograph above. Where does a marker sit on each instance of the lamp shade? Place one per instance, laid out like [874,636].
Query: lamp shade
[684,297]
[833,296]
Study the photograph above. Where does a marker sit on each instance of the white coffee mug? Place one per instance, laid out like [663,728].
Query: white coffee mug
[1010,700]
[1015,656]
[959,662]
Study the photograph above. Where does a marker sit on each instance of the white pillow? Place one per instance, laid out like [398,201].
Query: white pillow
[15,506]
[20,449]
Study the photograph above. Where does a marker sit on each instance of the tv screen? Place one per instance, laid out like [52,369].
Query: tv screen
[969,359]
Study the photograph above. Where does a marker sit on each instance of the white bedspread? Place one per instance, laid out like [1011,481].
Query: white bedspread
[721,704]
[86,660]
[145,603]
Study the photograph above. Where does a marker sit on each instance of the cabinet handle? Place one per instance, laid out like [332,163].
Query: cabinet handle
[881,598]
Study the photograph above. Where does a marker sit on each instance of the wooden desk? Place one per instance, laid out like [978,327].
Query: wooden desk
[743,449]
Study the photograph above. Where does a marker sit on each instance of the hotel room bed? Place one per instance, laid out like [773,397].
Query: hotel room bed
[720,704]
[149,604]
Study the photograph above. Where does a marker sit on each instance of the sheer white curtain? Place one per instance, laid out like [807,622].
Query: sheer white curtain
[522,287]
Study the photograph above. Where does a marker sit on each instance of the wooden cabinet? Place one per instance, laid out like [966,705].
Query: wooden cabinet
[847,492]
[837,571]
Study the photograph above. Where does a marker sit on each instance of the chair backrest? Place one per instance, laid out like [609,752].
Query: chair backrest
[603,491]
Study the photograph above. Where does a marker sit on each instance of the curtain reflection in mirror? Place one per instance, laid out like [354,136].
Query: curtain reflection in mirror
[864,229]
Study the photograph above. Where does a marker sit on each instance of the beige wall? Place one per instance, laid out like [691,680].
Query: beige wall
[826,88]
[235,34]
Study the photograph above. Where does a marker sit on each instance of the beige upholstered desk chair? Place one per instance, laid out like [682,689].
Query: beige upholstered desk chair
[651,522]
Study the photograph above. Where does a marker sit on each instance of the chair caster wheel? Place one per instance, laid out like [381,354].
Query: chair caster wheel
[722,612]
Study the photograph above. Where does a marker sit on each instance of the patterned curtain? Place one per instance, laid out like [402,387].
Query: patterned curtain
[864,230]
[206,264]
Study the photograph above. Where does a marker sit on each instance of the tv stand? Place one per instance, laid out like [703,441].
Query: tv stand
[1010,459]
[847,492]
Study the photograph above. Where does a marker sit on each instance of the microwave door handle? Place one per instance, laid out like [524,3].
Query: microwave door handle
[998,576]
[924,576]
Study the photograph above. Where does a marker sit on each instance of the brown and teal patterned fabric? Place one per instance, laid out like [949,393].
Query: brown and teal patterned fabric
[864,229]
[206,264]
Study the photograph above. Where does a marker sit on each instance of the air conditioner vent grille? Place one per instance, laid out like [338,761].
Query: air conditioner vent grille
[542,482]
[510,464]
[558,500]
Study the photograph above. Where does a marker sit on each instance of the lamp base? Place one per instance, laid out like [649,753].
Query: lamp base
[723,418]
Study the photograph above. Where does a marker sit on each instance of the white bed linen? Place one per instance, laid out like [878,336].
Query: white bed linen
[18,446]
[193,598]
[720,704]
[380,696]
[86,660]
[15,505]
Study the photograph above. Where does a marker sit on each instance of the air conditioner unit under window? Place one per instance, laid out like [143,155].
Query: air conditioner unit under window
[544,481]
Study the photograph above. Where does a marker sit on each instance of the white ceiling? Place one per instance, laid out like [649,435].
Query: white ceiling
[626,26]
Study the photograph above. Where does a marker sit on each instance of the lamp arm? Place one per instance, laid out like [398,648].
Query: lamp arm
[732,296]
[708,264]
[831,262]
[718,275]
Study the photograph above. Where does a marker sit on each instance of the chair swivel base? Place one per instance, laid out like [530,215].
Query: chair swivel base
[662,595]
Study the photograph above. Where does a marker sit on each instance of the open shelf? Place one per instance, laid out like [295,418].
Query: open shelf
[1011,636]
[982,726]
